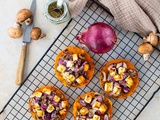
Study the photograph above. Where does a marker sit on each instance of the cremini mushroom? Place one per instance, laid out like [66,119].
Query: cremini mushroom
[152,39]
[36,33]
[15,31]
[24,15]
[145,49]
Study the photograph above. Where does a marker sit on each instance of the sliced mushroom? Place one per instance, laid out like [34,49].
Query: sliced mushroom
[24,15]
[152,39]
[15,31]
[145,49]
[36,33]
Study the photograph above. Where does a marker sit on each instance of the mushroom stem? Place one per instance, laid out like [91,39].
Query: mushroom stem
[42,35]
[146,56]
[17,25]
[28,21]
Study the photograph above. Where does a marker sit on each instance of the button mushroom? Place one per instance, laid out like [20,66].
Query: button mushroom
[15,31]
[145,49]
[152,39]
[24,15]
[36,33]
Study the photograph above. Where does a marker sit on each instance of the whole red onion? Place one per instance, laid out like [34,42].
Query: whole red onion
[99,37]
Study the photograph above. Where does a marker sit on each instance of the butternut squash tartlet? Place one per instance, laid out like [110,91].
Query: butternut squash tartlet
[74,67]
[92,106]
[119,78]
[48,103]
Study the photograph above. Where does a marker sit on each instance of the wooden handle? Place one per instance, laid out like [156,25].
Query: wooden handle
[19,73]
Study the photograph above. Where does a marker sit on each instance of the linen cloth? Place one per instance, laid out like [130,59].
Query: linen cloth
[140,16]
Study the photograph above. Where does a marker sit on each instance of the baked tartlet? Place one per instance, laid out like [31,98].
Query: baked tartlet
[119,78]
[92,106]
[74,67]
[48,103]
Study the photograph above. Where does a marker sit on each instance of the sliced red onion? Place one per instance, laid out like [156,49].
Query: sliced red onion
[79,62]
[109,78]
[83,117]
[119,65]
[70,57]
[90,115]
[82,102]
[125,75]
[53,114]
[85,62]
[93,101]
[53,102]
[36,100]
[60,105]
[47,116]
[99,98]
[43,106]
[106,117]
[123,83]
[126,89]
[51,97]
[62,62]
[99,112]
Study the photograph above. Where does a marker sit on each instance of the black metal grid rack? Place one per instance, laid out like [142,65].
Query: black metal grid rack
[43,73]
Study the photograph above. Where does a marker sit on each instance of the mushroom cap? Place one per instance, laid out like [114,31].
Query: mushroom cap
[145,48]
[15,32]
[35,33]
[23,14]
[153,39]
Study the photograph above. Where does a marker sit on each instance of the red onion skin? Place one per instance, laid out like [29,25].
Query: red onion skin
[99,37]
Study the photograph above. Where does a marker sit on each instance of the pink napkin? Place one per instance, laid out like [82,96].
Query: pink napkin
[141,16]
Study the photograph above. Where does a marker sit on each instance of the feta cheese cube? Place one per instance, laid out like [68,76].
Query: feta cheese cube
[117,90]
[37,94]
[56,98]
[96,117]
[75,57]
[88,98]
[96,105]
[103,108]
[117,77]
[71,78]
[50,108]
[86,67]
[70,64]
[61,68]
[129,81]
[84,111]
[40,113]
[65,75]
[64,104]
[121,70]
[62,112]
[80,79]
[47,91]
[108,87]
[36,106]
[113,71]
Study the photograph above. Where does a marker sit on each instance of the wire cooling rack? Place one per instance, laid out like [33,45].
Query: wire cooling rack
[43,73]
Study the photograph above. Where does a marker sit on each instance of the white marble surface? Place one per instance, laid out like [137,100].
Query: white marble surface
[10,50]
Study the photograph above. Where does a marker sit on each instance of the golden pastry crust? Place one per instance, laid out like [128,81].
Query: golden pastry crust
[129,66]
[51,88]
[75,50]
[77,106]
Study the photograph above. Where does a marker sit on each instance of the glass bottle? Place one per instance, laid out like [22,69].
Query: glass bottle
[63,17]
